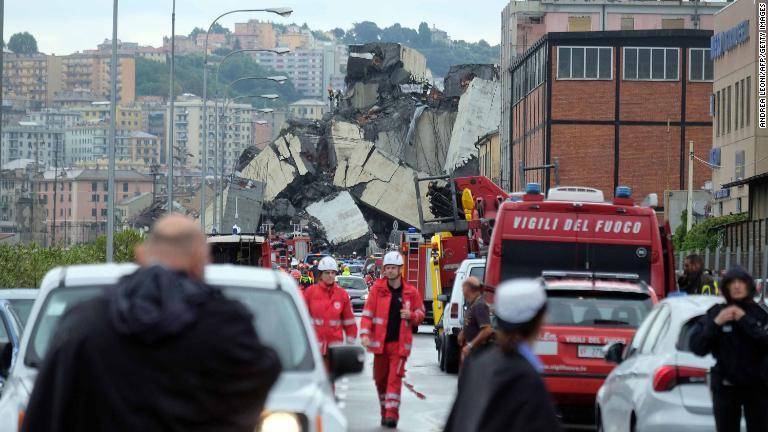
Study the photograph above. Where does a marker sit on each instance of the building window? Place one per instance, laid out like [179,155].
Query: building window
[584,63]
[651,64]
[737,110]
[720,208]
[728,112]
[125,187]
[627,23]
[69,211]
[740,168]
[738,205]
[103,212]
[749,82]
[717,113]
[94,198]
[742,105]
[672,23]
[106,198]
[93,212]
[579,23]
[701,66]
[93,187]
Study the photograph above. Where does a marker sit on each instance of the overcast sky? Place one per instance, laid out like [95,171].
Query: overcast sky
[65,26]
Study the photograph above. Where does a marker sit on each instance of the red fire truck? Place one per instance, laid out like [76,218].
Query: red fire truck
[576,230]
[465,208]
[606,264]
[242,249]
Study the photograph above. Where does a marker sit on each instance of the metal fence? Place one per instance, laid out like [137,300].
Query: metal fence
[751,258]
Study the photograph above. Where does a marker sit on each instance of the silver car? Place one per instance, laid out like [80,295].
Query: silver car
[302,399]
[659,384]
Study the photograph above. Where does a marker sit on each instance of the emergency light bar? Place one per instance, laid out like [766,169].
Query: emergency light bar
[563,274]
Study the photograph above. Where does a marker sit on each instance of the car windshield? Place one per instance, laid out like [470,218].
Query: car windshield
[596,308]
[355,268]
[22,307]
[354,283]
[276,318]
[522,258]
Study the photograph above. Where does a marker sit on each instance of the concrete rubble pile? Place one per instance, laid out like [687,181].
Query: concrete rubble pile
[351,175]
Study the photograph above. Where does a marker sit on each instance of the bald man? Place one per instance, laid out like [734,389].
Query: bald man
[159,351]
[477,328]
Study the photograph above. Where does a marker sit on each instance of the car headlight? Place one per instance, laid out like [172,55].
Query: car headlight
[282,422]
[364,297]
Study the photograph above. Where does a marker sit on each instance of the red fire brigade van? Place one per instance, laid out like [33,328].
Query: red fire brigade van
[574,229]
[605,264]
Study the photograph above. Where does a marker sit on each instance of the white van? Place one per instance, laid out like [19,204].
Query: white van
[448,352]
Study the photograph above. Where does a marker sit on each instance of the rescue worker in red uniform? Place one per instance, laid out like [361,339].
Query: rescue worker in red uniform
[393,308]
[330,308]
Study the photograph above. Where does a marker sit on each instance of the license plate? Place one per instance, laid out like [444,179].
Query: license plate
[591,351]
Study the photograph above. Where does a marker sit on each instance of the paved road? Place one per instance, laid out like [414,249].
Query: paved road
[357,394]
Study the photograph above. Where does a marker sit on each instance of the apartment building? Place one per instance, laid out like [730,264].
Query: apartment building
[31,80]
[255,34]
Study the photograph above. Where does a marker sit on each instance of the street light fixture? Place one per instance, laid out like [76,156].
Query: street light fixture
[283,12]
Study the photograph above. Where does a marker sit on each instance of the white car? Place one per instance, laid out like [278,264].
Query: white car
[302,399]
[659,384]
[447,344]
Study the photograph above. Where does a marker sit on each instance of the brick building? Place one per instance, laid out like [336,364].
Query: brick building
[611,108]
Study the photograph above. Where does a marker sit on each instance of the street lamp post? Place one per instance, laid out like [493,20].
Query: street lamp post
[172,119]
[112,145]
[284,12]
[218,205]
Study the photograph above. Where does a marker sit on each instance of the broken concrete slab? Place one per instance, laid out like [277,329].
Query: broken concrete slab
[273,170]
[363,95]
[479,113]
[370,59]
[460,76]
[341,219]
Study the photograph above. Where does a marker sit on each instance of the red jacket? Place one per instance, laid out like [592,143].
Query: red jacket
[376,314]
[331,313]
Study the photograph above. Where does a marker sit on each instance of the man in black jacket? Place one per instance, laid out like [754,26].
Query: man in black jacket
[736,334]
[160,351]
[694,280]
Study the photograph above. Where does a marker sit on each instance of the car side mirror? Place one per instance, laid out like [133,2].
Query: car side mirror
[345,359]
[445,298]
[614,353]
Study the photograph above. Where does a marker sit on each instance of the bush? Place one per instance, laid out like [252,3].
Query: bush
[705,234]
[24,266]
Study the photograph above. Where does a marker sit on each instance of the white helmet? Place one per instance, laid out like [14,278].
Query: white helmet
[393,258]
[327,264]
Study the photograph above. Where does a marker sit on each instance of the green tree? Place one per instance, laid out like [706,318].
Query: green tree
[23,43]
[705,234]
[366,31]
[339,33]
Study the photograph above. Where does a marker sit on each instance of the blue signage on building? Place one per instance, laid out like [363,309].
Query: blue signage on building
[729,39]
[723,193]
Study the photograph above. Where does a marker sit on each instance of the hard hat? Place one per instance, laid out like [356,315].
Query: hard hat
[393,258]
[296,274]
[518,301]
[327,264]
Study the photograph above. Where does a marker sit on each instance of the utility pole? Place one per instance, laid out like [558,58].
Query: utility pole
[112,144]
[55,187]
[2,66]
[689,207]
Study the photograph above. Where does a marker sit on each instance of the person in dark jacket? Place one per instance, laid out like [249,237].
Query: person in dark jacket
[501,388]
[694,279]
[159,351]
[736,334]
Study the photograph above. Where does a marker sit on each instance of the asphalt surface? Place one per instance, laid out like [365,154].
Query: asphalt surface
[358,399]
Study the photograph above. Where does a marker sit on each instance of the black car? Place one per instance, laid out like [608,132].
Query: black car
[357,290]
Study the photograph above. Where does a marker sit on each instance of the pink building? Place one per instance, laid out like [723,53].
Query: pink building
[75,203]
